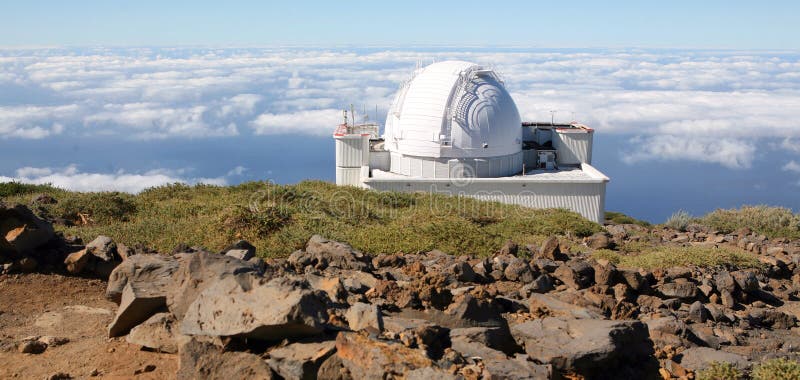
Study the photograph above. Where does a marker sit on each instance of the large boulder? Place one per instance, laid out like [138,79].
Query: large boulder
[470,340]
[200,360]
[196,272]
[157,333]
[700,358]
[469,311]
[364,316]
[146,273]
[249,306]
[684,290]
[300,361]
[589,347]
[369,358]
[547,305]
[136,306]
[322,253]
[21,231]
[517,368]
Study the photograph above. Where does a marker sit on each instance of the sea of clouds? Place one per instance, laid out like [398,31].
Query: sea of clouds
[726,108]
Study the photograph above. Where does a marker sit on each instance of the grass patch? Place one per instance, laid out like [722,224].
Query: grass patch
[771,221]
[679,220]
[720,371]
[620,218]
[665,257]
[278,219]
[777,369]
[8,189]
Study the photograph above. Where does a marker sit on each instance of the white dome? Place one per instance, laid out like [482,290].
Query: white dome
[453,109]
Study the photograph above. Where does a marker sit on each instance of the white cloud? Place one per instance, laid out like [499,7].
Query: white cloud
[237,171]
[729,153]
[716,99]
[791,166]
[73,179]
[317,122]
[791,145]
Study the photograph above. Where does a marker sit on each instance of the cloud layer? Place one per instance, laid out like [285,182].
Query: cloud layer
[720,107]
[73,179]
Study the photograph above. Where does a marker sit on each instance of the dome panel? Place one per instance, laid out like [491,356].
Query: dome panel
[453,109]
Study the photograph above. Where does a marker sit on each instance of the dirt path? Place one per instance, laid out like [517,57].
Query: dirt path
[74,308]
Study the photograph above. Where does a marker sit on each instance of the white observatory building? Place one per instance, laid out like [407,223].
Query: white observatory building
[453,128]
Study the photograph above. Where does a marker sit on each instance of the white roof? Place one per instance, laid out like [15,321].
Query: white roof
[583,174]
[453,109]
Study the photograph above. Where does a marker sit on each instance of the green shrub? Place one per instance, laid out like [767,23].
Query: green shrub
[770,221]
[679,220]
[620,218]
[101,208]
[278,219]
[719,371]
[8,189]
[665,257]
[777,369]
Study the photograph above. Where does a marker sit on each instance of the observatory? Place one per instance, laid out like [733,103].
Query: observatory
[454,128]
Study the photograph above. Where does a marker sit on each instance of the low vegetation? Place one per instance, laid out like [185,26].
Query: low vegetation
[770,221]
[777,369]
[620,218]
[669,256]
[720,371]
[679,220]
[278,219]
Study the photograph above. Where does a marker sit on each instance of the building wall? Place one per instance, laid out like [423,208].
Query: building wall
[574,146]
[585,198]
[427,167]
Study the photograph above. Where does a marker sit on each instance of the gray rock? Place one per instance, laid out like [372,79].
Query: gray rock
[364,316]
[428,373]
[545,304]
[542,284]
[746,280]
[103,248]
[700,358]
[245,305]
[517,368]
[606,274]
[599,240]
[634,279]
[322,253]
[300,361]
[519,270]
[196,272]
[550,249]
[241,250]
[497,338]
[21,231]
[199,360]
[684,290]
[725,282]
[333,369]
[470,311]
[577,274]
[509,248]
[147,274]
[462,272]
[157,333]
[698,312]
[136,306]
[589,347]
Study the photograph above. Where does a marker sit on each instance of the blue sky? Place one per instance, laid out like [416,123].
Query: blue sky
[683,24]
[696,106]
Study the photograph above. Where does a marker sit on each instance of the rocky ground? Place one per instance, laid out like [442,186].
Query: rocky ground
[331,312]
